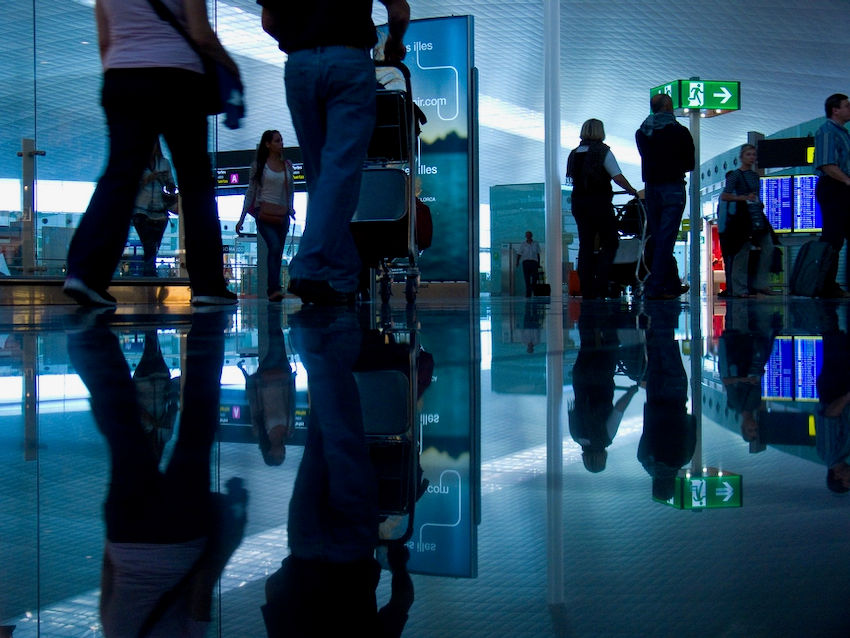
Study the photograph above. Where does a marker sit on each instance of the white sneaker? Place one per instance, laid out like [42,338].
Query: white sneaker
[224,298]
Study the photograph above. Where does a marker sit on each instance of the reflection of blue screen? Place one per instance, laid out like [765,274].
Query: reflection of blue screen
[776,193]
[808,358]
[779,371]
[807,215]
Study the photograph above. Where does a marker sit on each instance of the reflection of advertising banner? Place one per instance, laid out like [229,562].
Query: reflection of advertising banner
[444,540]
[439,56]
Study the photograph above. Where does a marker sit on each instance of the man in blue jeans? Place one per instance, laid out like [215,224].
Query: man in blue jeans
[667,153]
[330,90]
[832,165]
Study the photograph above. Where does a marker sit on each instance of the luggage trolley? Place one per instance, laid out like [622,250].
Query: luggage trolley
[630,267]
[384,223]
[386,374]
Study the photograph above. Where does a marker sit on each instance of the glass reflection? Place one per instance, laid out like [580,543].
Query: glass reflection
[168,536]
[609,344]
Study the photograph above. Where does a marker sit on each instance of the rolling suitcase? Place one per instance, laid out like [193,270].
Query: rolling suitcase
[541,288]
[812,266]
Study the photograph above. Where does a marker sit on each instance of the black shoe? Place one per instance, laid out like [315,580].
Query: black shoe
[77,290]
[320,293]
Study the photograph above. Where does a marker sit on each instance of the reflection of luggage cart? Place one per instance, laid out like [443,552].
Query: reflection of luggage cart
[387,378]
[630,267]
[384,223]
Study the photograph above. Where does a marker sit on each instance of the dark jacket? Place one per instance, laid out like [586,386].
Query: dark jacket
[667,153]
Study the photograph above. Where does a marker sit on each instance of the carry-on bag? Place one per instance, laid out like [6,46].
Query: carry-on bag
[812,266]
[541,288]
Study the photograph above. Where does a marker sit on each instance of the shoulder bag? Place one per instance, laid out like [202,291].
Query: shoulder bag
[754,210]
[276,214]
[224,90]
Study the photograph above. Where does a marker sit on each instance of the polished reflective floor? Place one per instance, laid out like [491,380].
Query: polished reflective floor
[507,467]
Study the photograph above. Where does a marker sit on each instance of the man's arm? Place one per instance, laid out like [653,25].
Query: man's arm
[398,17]
[836,173]
[688,150]
[269,23]
[102,29]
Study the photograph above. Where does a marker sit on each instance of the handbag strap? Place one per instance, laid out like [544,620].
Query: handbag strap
[165,14]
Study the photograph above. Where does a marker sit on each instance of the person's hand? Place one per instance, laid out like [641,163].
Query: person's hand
[394,50]
[751,197]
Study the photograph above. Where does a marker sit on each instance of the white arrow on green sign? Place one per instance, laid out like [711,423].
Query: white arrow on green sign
[709,96]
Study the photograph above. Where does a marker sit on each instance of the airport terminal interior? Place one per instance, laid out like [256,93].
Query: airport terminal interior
[540,465]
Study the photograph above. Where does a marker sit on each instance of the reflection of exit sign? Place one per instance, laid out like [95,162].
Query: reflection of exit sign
[714,489]
[709,97]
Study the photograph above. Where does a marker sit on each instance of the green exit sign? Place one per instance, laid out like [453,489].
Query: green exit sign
[714,489]
[709,97]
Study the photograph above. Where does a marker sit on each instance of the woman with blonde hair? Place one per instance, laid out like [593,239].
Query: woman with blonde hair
[591,167]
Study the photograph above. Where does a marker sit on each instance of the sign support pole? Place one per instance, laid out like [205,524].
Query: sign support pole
[695,277]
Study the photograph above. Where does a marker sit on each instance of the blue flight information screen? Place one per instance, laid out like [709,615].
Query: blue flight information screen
[807,214]
[778,379]
[777,195]
[808,359]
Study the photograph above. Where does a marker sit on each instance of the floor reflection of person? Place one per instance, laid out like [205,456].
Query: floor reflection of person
[669,432]
[832,437]
[532,325]
[327,584]
[743,351]
[168,537]
[594,416]
[271,393]
[157,393]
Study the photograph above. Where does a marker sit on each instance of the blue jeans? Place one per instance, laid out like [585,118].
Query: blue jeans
[665,204]
[275,238]
[330,92]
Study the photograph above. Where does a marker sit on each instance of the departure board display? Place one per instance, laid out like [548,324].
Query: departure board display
[777,195]
[807,215]
[808,359]
[778,379]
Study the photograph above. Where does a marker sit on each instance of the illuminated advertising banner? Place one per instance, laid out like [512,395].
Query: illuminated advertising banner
[439,56]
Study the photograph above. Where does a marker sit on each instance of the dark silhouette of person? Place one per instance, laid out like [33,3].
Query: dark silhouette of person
[594,417]
[333,513]
[743,351]
[168,537]
[669,432]
[832,438]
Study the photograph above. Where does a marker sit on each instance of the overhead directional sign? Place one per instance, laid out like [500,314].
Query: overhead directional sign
[710,97]
[712,490]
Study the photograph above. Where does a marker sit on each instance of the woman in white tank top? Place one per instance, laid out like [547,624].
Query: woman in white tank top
[269,200]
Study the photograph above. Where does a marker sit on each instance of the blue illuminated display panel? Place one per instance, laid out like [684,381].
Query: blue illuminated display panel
[807,215]
[777,382]
[777,195]
[808,359]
